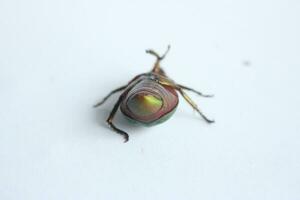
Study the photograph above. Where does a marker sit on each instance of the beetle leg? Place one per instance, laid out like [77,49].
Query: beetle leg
[194,105]
[186,97]
[158,57]
[192,90]
[156,67]
[111,116]
[111,93]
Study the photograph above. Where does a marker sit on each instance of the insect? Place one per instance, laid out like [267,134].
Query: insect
[150,98]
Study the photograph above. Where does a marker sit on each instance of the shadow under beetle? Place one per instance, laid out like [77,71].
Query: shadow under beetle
[150,98]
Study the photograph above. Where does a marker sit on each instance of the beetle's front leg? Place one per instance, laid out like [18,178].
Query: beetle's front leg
[111,116]
[111,93]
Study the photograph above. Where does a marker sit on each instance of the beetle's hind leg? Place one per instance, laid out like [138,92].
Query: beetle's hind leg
[185,96]
[158,57]
[111,93]
[111,116]
[194,105]
[195,91]
[156,67]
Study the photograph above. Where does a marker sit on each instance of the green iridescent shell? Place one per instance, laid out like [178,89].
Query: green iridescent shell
[149,103]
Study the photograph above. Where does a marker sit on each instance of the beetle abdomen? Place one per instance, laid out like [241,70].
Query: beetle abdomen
[149,103]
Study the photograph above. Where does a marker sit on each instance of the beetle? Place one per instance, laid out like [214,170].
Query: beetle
[150,98]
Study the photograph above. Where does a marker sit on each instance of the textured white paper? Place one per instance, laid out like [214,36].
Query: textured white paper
[59,57]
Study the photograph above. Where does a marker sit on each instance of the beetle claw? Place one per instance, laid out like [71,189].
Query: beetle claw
[210,121]
[126,138]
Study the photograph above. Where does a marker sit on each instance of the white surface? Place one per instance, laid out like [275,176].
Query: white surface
[59,57]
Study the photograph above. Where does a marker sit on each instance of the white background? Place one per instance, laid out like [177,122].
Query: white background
[59,57]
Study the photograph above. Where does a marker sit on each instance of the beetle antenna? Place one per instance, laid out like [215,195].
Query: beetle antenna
[158,58]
